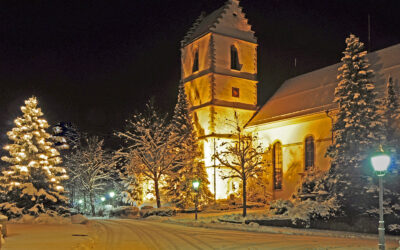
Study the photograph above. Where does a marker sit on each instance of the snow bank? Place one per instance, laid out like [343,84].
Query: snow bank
[41,219]
[79,219]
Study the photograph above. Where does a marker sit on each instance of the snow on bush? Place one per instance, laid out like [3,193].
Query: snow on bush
[394,228]
[280,206]
[125,211]
[307,210]
[42,219]
[164,211]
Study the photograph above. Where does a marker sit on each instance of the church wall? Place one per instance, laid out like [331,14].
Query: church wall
[247,89]
[198,90]
[202,45]
[225,118]
[247,53]
[292,133]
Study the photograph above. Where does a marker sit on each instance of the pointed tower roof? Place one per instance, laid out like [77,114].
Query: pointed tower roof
[228,20]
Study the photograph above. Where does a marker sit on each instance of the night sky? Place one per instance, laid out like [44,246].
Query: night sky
[93,63]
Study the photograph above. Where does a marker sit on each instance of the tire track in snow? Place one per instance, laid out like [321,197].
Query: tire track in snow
[167,235]
[186,236]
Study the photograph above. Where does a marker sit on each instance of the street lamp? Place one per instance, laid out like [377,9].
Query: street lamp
[196,185]
[111,194]
[103,198]
[380,161]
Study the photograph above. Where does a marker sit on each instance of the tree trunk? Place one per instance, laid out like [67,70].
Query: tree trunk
[244,197]
[84,202]
[92,203]
[157,193]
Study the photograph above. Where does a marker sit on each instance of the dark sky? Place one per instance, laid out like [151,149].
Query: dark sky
[95,62]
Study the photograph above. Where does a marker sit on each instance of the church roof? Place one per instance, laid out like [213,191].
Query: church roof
[228,20]
[314,92]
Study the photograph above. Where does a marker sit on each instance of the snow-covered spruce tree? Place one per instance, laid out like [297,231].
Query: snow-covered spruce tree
[149,147]
[357,130]
[392,115]
[32,183]
[190,166]
[242,156]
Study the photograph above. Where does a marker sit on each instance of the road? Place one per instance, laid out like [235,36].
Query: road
[142,234]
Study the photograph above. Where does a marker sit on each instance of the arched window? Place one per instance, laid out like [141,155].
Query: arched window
[309,153]
[277,165]
[196,61]
[234,58]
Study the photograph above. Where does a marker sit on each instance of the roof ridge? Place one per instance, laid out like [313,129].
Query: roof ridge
[194,27]
[219,12]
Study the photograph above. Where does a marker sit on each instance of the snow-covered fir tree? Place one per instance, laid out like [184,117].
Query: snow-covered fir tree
[32,182]
[358,130]
[392,114]
[130,186]
[190,167]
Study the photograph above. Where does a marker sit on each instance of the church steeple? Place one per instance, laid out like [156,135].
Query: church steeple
[219,71]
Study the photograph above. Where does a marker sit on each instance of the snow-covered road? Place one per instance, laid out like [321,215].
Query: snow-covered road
[142,234]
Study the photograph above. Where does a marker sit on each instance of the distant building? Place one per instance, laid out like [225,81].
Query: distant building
[219,71]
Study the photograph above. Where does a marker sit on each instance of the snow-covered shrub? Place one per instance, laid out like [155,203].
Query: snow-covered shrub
[164,211]
[125,211]
[305,211]
[280,206]
[394,228]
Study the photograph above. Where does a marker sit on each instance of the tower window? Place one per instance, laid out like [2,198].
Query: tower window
[235,92]
[277,165]
[309,153]
[196,62]
[234,58]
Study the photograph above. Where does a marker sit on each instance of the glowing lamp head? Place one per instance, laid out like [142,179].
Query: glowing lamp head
[103,198]
[196,185]
[80,201]
[380,162]
[112,194]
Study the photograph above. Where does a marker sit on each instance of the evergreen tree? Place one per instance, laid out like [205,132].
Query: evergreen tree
[190,167]
[357,130]
[392,114]
[32,183]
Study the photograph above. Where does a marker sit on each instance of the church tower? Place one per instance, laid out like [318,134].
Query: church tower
[219,72]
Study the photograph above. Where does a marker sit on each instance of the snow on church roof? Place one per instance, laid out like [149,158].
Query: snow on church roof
[313,92]
[227,20]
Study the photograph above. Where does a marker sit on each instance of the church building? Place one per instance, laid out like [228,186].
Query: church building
[219,72]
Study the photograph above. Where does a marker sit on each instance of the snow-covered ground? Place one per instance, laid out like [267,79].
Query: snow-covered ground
[154,233]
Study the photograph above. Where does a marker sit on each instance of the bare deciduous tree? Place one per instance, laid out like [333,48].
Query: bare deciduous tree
[242,156]
[150,146]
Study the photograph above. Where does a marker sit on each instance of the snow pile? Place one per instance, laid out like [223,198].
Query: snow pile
[79,219]
[280,206]
[41,219]
[124,211]
[164,211]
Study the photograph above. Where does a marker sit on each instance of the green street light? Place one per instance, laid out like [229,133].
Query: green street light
[196,185]
[80,201]
[380,162]
[112,194]
[103,198]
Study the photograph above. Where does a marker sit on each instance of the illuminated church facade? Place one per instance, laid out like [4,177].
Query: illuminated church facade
[219,72]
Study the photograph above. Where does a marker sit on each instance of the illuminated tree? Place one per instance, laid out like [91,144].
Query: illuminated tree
[358,129]
[190,166]
[32,183]
[150,145]
[94,168]
[242,156]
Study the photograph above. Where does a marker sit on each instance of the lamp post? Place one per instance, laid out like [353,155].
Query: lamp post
[380,161]
[196,185]
[111,194]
